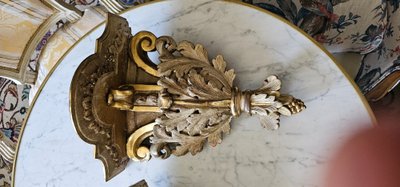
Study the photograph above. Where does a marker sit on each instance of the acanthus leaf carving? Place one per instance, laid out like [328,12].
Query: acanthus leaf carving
[191,129]
[196,100]
[192,77]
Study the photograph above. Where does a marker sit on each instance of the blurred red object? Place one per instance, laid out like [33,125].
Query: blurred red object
[370,158]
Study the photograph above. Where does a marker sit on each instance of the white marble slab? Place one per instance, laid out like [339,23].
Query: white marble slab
[256,45]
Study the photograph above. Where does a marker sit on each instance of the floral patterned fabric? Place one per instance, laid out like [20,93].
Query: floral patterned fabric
[383,61]
[371,28]
[82,4]
[341,25]
[13,109]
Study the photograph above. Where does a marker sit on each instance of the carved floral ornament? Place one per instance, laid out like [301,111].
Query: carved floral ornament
[174,107]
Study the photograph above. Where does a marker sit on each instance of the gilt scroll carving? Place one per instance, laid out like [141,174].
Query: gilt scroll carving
[138,109]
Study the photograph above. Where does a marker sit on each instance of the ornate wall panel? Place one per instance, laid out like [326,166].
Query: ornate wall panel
[63,40]
[24,26]
[116,6]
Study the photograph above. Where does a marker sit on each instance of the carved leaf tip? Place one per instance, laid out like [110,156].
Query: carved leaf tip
[220,64]
[270,121]
[197,52]
[272,83]
[285,111]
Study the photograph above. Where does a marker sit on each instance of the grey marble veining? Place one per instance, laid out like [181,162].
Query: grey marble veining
[256,45]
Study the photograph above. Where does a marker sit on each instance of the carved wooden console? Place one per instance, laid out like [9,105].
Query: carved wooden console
[130,107]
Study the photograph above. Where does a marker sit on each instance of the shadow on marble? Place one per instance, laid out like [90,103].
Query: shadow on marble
[387,110]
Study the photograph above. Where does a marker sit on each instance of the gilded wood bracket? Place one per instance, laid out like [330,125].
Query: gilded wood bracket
[130,107]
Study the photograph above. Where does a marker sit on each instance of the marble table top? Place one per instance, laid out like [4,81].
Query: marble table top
[254,43]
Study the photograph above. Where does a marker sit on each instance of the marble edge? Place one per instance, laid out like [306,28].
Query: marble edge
[237,2]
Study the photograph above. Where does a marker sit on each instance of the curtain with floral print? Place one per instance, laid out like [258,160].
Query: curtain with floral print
[371,28]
